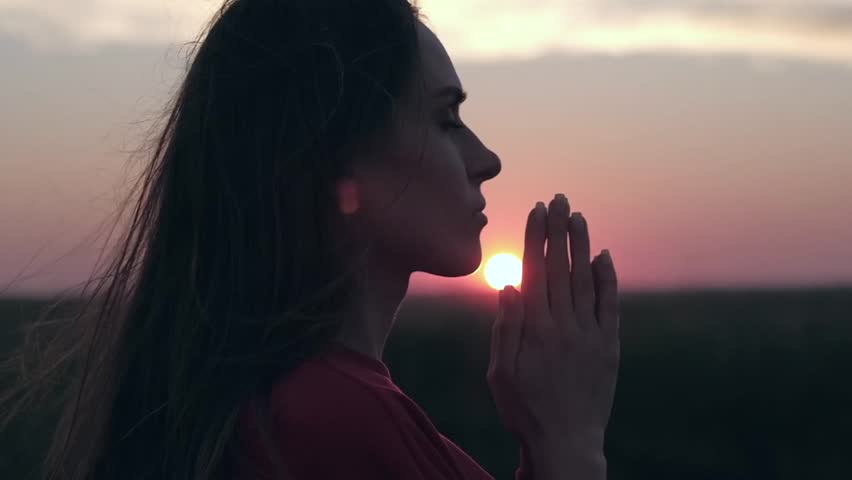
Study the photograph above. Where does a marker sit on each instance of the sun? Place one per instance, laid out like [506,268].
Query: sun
[503,269]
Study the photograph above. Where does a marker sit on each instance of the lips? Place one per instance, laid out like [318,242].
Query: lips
[482,218]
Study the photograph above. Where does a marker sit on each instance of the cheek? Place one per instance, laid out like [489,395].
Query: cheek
[429,173]
[416,210]
[443,173]
[439,193]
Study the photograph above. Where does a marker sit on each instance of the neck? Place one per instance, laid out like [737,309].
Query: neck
[369,320]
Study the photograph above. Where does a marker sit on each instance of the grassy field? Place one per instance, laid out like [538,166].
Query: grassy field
[713,385]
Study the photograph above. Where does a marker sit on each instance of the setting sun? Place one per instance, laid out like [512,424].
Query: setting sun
[503,269]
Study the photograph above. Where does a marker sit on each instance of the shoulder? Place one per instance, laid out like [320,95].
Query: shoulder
[328,424]
[317,398]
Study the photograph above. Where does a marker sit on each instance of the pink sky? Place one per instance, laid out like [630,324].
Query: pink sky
[694,170]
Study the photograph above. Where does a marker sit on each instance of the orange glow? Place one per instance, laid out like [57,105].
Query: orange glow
[503,269]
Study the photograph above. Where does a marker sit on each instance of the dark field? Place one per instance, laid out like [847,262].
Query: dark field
[713,385]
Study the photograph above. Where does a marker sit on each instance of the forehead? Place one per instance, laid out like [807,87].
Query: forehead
[438,69]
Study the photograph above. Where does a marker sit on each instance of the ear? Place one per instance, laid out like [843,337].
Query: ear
[347,196]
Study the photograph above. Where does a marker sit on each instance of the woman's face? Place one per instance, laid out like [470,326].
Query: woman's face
[419,199]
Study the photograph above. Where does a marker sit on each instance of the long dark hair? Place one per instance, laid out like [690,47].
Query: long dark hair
[228,274]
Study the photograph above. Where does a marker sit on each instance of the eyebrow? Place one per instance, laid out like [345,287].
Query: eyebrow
[459,95]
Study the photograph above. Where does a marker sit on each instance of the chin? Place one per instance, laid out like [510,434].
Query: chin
[459,262]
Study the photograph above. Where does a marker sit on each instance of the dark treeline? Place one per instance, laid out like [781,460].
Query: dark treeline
[713,385]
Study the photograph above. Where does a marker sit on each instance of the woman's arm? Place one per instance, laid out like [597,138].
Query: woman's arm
[558,461]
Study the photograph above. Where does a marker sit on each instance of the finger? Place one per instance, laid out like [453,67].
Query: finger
[495,331]
[558,263]
[582,282]
[606,307]
[506,334]
[512,328]
[533,282]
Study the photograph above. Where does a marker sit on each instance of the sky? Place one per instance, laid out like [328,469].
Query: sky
[708,143]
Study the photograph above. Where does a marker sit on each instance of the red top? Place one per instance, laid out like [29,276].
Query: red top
[340,416]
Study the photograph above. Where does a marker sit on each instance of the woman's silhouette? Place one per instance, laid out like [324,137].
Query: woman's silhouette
[312,160]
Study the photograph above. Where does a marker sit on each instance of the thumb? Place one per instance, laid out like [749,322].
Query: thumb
[506,334]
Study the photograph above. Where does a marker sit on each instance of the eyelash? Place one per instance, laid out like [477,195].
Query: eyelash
[453,125]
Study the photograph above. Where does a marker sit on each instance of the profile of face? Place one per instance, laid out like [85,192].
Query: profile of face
[418,199]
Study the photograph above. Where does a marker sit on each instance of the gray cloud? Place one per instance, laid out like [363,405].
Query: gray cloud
[803,15]
[83,24]
[487,29]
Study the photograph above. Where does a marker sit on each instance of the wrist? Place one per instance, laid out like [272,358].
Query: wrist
[564,458]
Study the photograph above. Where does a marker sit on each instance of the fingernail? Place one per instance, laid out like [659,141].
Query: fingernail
[606,256]
[540,209]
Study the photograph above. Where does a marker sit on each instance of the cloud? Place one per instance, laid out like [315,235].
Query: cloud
[812,15]
[813,29]
[490,29]
[88,24]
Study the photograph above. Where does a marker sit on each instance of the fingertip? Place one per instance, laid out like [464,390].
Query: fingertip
[602,259]
[511,292]
[599,265]
[504,296]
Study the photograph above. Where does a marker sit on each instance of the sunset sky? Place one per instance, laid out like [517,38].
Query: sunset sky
[707,142]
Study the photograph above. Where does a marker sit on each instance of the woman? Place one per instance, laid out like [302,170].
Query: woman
[312,160]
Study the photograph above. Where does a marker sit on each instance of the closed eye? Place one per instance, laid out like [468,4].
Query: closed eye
[453,120]
[457,96]
[453,126]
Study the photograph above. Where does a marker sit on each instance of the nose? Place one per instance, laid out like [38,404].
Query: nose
[487,168]
[482,163]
